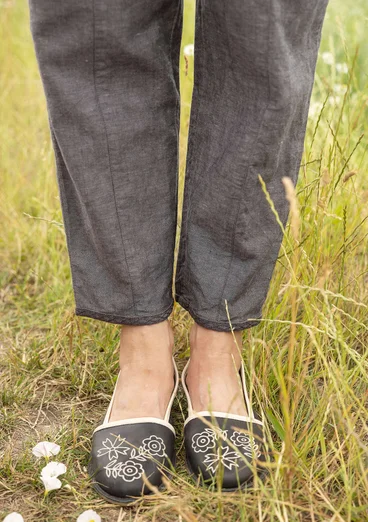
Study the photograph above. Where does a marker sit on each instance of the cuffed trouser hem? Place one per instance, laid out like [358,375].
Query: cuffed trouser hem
[219,326]
[121,319]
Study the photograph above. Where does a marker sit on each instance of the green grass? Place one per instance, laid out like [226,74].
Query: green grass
[307,360]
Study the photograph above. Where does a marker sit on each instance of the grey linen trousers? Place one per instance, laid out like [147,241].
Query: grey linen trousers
[110,70]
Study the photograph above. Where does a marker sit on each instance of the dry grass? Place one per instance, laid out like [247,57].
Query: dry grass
[307,360]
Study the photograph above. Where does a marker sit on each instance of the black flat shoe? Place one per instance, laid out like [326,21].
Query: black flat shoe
[125,452]
[223,447]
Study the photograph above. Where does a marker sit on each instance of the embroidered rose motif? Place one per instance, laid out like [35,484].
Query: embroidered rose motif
[203,441]
[153,445]
[246,443]
[130,470]
[113,448]
[240,439]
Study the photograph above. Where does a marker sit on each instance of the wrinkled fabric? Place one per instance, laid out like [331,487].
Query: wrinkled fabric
[110,72]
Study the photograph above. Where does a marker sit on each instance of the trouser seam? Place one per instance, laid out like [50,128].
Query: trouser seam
[108,147]
[176,72]
[240,199]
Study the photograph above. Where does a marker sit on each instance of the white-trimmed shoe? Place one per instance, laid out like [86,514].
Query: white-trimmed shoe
[224,446]
[124,452]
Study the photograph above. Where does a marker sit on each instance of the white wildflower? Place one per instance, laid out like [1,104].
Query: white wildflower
[89,516]
[50,473]
[13,517]
[339,89]
[342,68]
[328,58]
[334,100]
[45,449]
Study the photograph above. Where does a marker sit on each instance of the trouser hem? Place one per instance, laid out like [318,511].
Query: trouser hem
[219,326]
[137,320]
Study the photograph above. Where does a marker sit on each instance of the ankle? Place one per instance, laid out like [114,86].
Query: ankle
[146,343]
[162,330]
[216,348]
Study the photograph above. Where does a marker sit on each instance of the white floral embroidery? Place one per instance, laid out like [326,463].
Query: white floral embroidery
[223,456]
[112,469]
[209,438]
[204,440]
[131,469]
[246,443]
[113,448]
[154,446]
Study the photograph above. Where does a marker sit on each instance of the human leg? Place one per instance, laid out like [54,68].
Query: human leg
[254,66]
[111,79]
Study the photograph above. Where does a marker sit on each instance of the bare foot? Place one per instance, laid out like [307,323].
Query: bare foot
[213,373]
[146,377]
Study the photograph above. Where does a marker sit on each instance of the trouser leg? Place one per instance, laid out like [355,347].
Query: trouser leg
[110,74]
[254,66]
